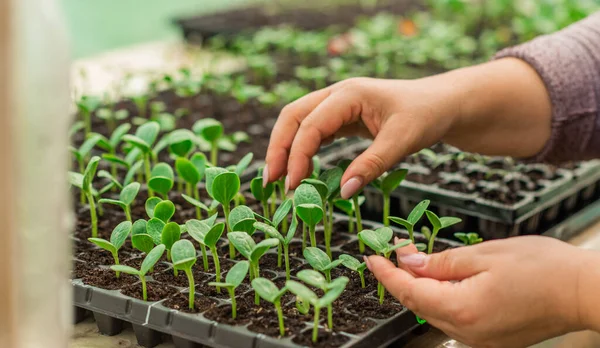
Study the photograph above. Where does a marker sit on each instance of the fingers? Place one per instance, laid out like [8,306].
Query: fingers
[405,251]
[453,264]
[285,130]
[336,111]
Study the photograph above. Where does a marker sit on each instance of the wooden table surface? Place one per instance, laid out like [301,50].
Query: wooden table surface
[103,71]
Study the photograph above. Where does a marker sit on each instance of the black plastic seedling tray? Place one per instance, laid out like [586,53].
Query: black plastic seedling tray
[151,321]
[533,213]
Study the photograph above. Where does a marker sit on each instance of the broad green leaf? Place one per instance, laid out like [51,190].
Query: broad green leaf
[384,234]
[117,135]
[199,161]
[164,211]
[170,234]
[269,230]
[392,180]
[352,263]
[372,240]
[75,179]
[417,212]
[148,132]
[401,221]
[125,269]
[154,228]
[195,202]
[317,258]
[426,232]
[259,192]
[333,265]
[90,173]
[120,234]
[242,243]
[402,244]
[421,247]
[344,205]
[448,221]
[213,235]
[312,278]
[320,186]
[282,212]
[88,144]
[139,227]
[113,202]
[187,171]
[292,229]
[209,129]
[243,164]
[344,163]
[133,170]
[152,258]
[261,248]
[310,214]
[197,229]
[107,175]
[161,178]
[434,219]
[265,289]
[331,178]
[104,244]
[151,205]
[225,186]
[242,219]
[210,221]
[129,193]
[142,242]
[301,291]
[333,294]
[237,273]
[181,142]
[137,142]
[183,254]
[307,194]
[211,174]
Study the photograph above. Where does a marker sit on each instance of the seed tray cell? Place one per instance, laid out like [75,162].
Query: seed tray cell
[152,320]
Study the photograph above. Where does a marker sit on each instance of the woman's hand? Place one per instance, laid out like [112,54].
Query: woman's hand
[481,108]
[507,293]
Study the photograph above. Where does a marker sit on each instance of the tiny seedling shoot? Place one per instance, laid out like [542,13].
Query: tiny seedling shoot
[267,290]
[353,264]
[117,239]
[84,183]
[149,261]
[142,141]
[262,194]
[470,238]
[234,278]
[207,236]
[170,234]
[162,179]
[307,295]
[348,207]
[192,172]
[412,219]
[309,209]
[331,178]
[316,279]
[183,255]
[126,197]
[223,186]
[244,243]
[140,239]
[211,131]
[279,217]
[386,184]
[379,241]
[438,223]
[320,261]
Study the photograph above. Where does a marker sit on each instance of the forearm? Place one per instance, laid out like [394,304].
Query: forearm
[589,287]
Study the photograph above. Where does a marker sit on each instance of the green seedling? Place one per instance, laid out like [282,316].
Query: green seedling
[170,234]
[162,179]
[244,243]
[84,183]
[280,217]
[317,76]
[183,255]
[233,280]
[348,207]
[267,290]
[111,116]
[331,178]
[181,142]
[309,208]
[386,184]
[82,153]
[117,239]
[149,261]
[307,295]
[141,103]
[470,238]
[353,264]
[412,219]
[192,172]
[242,219]
[316,279]
[142,141]
[223,186]
[379,241]
[86,106]
[320,261]
[438,223]
[211,131]
[199,228]
[111,145]
[207,236]
[126,197]
[140,239]
[344,164]
[273,232]
[262,194]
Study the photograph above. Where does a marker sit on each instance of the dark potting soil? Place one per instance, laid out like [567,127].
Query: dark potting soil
[100,257]
[155,291]
[324,339]
[350,323]
[180,302]
[168,277]
[365,307]
[244,314]
[269,261]
[270,326]
[106,279]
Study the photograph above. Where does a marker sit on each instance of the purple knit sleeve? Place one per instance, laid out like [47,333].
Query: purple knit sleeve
[569,64]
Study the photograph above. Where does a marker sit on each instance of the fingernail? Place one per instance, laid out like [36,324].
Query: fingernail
[351,187]
[265,178]
[287,184]
[366,259]
[414,260]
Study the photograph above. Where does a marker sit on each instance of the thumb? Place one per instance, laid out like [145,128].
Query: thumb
[453,264]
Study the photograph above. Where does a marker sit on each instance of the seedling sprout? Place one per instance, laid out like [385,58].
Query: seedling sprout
[211,131]
[87,105]
[262,194]
[84,183]
[320,261]
[438,223]
[183,255]
[144,138]
[470,238]
[233,280]
[207,236]
[386,184]
[223,186]
[308,204]
[126,197]
[161,179]
[353,264]
[149,261]
[192,172]
[117,239]
[412,219]
[267,290]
